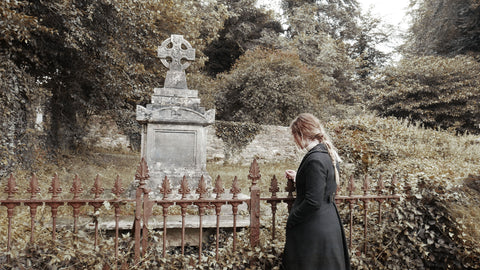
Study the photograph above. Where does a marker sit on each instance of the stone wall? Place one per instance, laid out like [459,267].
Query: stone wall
[104,133]
[271,144]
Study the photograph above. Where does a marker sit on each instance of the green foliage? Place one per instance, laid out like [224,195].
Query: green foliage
[236,135]
[338,19]
[338,41]
[100,57]
[245,28]
[22,140]
[205,86]
[444,27]
[269,87]
[365,50]
[436,91]
[439,224]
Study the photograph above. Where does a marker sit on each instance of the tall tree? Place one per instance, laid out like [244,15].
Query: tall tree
[322,33]
[338,18]
[365,49]
[444,27]
[245,28]
[97,57]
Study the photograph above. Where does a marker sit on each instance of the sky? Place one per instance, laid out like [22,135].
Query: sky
[390,11]
[393,12]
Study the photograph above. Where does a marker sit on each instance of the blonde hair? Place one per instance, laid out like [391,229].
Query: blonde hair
[307,126]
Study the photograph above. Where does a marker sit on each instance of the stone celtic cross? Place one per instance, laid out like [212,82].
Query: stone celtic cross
[176,75]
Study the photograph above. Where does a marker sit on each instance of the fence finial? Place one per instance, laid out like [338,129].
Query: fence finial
[274,187]
[184,189]
[34,188]
[11,187]
[142,171]
[235,188]
[351,186]
[165,188]
[117,187]
[394,184]
[254,173]
[97,187]
[202,188]
[55,189]
[76,187]
[366,185]
[218,187]
[380,186]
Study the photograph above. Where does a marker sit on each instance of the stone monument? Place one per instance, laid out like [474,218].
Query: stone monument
[173,125]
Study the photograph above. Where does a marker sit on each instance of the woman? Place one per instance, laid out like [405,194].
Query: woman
[314,237]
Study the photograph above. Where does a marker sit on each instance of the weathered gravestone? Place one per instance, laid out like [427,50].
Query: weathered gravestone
[174,133]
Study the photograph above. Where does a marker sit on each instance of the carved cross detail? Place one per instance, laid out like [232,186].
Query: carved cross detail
[180,49]
[176,53]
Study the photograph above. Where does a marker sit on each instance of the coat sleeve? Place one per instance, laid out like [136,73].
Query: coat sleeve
[314,175]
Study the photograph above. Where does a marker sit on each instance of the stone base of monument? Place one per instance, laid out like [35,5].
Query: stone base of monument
[173,223]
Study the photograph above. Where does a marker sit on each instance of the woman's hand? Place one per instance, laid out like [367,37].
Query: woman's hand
[290,174]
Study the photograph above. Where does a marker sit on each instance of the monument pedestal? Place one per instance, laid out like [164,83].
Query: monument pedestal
[174,135]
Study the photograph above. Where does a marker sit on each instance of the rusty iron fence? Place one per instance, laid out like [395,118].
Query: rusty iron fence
[216,200]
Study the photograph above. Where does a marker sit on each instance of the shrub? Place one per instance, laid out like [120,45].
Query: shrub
[437,91]
[269,87]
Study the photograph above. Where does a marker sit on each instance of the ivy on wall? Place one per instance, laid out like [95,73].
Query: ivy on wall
[236,135]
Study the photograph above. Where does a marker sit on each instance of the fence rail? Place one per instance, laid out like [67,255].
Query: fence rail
[183,199]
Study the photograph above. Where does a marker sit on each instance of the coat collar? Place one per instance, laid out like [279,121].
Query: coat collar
[318,148]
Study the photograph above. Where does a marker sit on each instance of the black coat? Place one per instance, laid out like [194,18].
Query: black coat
[315,238]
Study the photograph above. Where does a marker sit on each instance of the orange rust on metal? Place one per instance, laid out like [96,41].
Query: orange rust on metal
[34,189]
[380,187]
[273,189]
[234,212]
[55,189]
[219,190]
[165,206]
[235,190]
[76,187]
[184,189]
[254,204]
[116,205]
[11,188]
[254,173]
[202,188]
[97,188]
[201,212]
[117,187]
[183,206]
[165,189]
[218,209]
[144,206]
[365,212]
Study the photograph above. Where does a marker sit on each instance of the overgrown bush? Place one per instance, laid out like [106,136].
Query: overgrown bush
[22,129]
[436,91]
[236,135]
[269,87]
